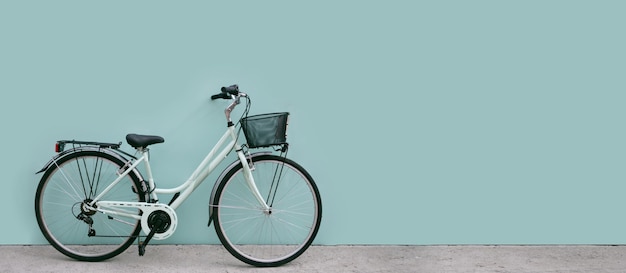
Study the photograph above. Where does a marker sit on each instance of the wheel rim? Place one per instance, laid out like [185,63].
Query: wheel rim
[267,237]
[62,215]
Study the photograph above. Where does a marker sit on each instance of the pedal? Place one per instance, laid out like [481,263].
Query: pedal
[159,222]
[142,248]
[142,244]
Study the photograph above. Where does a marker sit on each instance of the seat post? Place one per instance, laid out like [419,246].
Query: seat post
[145,155]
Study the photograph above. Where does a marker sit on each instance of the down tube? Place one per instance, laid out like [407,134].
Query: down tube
[207,166]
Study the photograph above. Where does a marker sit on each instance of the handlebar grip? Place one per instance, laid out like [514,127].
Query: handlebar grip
[233,89]
[222,95]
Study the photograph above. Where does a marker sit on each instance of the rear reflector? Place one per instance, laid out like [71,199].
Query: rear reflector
[58,147]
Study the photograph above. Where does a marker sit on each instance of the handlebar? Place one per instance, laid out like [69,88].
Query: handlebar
[220,96]
[227,92]
[230,92]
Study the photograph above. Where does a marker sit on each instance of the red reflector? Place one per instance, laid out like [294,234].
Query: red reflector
[59,146]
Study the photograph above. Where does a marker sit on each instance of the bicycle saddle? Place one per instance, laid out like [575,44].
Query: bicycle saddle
[143,141]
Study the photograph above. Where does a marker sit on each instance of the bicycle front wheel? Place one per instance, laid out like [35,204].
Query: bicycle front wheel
[267,237]
[64,217]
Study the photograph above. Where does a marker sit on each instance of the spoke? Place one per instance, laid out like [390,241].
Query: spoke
[250,229]
[59,204]
[240,198]
[68,181]
[291,212]
[236,207]
[292,224]
[75,197]
[239,221]
[278,235]
[113,230]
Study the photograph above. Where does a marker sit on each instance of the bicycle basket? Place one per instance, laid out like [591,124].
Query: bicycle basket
[265,130]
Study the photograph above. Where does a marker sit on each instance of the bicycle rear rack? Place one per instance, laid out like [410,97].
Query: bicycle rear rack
[60,145]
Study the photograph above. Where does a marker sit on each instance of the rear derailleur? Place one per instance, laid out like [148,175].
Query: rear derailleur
[85,215]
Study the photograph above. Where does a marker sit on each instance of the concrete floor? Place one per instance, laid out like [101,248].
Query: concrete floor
[430,259]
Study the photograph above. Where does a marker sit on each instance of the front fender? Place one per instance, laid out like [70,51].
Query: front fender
[221,177]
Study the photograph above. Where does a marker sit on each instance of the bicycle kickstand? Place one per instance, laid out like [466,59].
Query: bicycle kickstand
[142,244]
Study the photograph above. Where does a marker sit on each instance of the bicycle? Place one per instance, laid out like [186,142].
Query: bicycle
[93,202]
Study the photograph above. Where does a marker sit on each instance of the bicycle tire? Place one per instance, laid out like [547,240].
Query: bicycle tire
[69,183]
[268,238]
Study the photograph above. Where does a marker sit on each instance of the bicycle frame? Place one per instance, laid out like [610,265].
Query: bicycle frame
[218,153]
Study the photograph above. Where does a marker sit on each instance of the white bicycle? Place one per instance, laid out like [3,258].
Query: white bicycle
[92,202]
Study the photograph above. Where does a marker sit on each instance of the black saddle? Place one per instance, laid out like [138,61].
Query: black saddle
[143,141]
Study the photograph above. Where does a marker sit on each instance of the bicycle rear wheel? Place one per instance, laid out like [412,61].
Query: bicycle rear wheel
[268,238]
[71,227]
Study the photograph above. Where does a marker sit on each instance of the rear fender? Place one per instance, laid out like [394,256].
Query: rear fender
[112,152]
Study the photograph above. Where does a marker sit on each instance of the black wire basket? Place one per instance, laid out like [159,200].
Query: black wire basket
[265,130]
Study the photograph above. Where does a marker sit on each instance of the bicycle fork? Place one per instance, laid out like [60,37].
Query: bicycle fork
[247,173]
[246,162]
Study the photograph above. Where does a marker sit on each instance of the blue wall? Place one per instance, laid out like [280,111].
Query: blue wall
[423,122]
